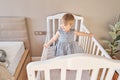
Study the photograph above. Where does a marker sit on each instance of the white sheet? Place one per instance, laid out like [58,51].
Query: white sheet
[14,51]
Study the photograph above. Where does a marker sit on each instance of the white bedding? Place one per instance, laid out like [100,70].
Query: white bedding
[14,51]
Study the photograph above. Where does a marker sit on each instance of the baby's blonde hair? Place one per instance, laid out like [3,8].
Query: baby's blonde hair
[67,18]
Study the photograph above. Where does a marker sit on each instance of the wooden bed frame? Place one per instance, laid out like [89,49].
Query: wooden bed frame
[15,29]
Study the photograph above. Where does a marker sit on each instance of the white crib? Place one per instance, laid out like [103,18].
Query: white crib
[89,45]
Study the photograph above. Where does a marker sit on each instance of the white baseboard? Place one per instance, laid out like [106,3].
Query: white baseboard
[36,58]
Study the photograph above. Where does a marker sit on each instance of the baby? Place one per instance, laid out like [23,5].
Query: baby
[65,37]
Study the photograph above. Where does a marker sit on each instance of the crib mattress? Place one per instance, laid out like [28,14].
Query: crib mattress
[14,51]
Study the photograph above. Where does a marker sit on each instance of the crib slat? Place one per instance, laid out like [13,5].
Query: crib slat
[94,74]
[83,43]
[93,48]
[58,23]
[79,74]
[86,40]
[88,44]
[103,74]
[53,27]
[47,74]
[97,51]
[48,29]
[76,22]
[110,74]
[63,74]
[80,38]
[53,31]
[79,42]
[102,54]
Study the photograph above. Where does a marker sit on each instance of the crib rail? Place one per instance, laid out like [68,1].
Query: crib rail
[90,45]
[72,62]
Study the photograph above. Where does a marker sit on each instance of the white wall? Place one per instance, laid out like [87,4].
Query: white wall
[98,15]
[13,7]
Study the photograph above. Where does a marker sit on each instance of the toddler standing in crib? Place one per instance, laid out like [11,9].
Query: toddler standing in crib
[65,37]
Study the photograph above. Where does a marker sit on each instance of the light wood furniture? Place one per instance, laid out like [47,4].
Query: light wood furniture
[13,28]
[20,73]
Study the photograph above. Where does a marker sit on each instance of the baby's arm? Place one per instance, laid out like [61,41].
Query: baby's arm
[53,39]
[83,34]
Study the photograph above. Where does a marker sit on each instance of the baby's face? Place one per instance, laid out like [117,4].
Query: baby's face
[67,27]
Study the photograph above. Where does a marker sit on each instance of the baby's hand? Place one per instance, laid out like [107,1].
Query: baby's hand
[91,35]
[45,45]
